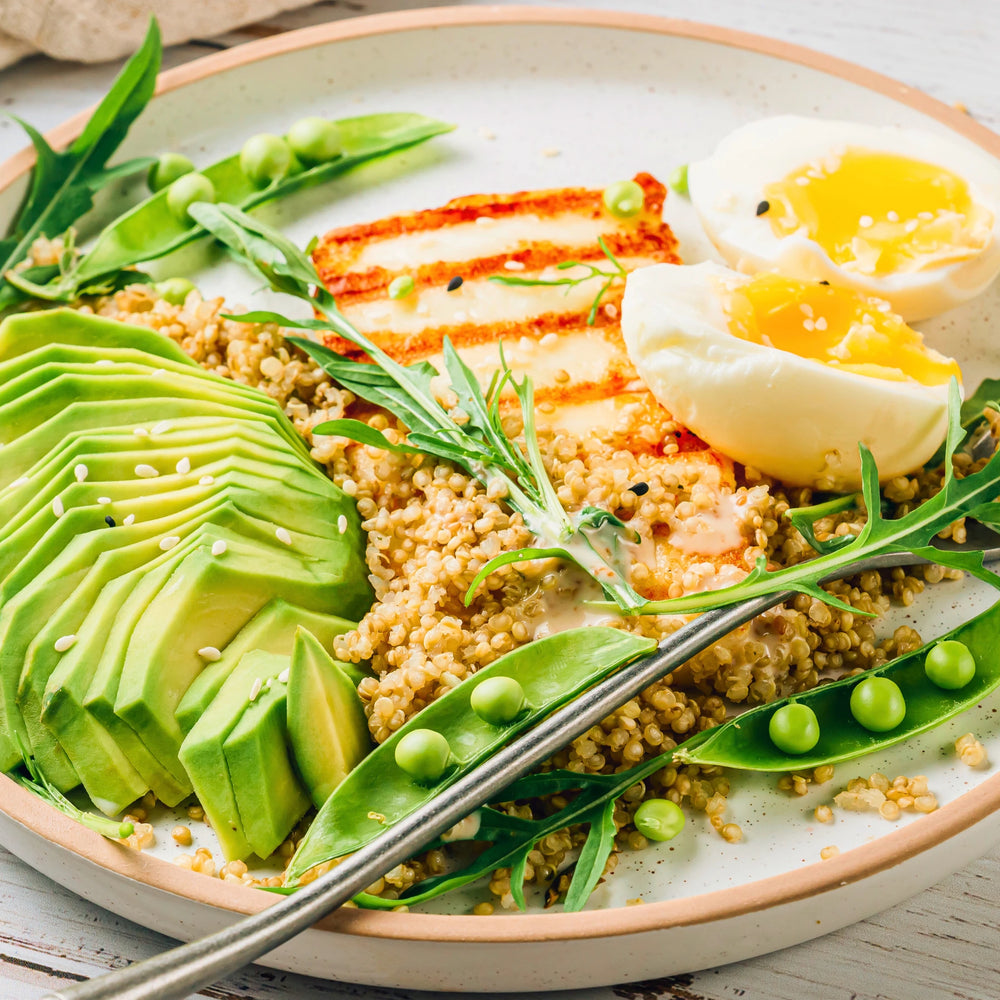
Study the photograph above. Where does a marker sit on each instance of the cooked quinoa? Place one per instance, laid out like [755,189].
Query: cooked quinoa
[430,528]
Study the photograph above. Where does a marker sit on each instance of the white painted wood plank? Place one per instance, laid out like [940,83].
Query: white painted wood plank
[942,945]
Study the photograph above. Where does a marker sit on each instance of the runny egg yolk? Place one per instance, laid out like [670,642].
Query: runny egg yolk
[879,213]
[836,326]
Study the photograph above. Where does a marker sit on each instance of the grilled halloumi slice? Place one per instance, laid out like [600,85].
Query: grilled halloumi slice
[585,383]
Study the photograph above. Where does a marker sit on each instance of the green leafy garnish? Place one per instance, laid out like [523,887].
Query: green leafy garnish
[35,781]
[470,434]
[607,278]
[63,184]
[971,497]
[511,839]
[971,415]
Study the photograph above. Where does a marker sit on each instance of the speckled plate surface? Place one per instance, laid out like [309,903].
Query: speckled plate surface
[546,97]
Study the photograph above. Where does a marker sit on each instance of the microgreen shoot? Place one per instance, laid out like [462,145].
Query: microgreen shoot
[592,271]
[470,434]
[35,781]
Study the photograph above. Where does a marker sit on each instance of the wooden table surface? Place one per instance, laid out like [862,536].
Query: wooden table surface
[945,942]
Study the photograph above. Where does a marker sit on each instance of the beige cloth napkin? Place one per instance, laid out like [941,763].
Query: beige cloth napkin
[97,30]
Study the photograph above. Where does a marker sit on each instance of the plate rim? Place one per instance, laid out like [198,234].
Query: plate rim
[887,851]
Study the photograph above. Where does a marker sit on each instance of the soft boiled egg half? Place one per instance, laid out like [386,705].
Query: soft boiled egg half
[909,216]
[785,375]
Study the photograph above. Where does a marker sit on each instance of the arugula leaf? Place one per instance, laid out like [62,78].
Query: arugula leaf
[363,434]
[972,496]
[971,415]
[471,435]
[63,183]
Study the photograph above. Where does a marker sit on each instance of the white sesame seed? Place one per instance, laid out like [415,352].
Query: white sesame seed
[156,371]
[283,536]
[910,226]
[802,181]
[485,220]
[140,432]
[23,481]
[551,151]
[513,265]
[892,216]
[926,216]
[166,544]
[255,688]
[806,309]
[342,524]
[160,428]
[144,471]
[283,676]
[206,480]
[57,507]
[129,520]
[549,339]
[81,472]
[809,325]
[219,547]
[184,466]
[103,362]
[866,221]
[64,642]
[209,653]
[103,500]
[610,310]
[821,323]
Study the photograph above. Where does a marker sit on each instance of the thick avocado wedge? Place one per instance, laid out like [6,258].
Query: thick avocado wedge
[202,753]
[26,332]
[269,796]
[327,727]
[272,630]
[208,600]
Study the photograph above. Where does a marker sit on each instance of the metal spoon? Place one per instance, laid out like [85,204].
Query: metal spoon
[177,973]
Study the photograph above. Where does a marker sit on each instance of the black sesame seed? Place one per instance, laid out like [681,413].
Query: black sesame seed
[455,283]
[763,206]
[640,489]
[109,521]
[824,282]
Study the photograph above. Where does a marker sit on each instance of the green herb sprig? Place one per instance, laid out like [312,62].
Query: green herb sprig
[471,434]
[607,277]
[63,184]
[35,781]
[971,497]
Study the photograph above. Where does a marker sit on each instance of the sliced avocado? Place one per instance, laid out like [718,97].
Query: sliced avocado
[327,727]
[208,600]
[202,753]
[24,332]
[272,629]
[269,796]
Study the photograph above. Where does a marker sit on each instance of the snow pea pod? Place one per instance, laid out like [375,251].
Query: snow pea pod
[743,742]
[378,792]
[151,230]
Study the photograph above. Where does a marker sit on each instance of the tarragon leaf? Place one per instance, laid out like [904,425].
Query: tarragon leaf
[597,848]
[361,432]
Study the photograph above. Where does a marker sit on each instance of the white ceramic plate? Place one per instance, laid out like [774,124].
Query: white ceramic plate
[543,98]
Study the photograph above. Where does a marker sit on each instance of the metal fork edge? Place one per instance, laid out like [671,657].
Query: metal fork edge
[177,973]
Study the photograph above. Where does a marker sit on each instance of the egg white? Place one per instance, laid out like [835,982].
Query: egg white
[727,187]
[793,418]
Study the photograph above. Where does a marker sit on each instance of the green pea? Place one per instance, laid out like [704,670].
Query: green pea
[623,199]
[167,169]
[315,140]
[950,665]
[174,290]
[185,191]
[659,819]
[265,158]
[794,728]
[878,704]
[401,286]
[678,180]
[423,754]
[497,700]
